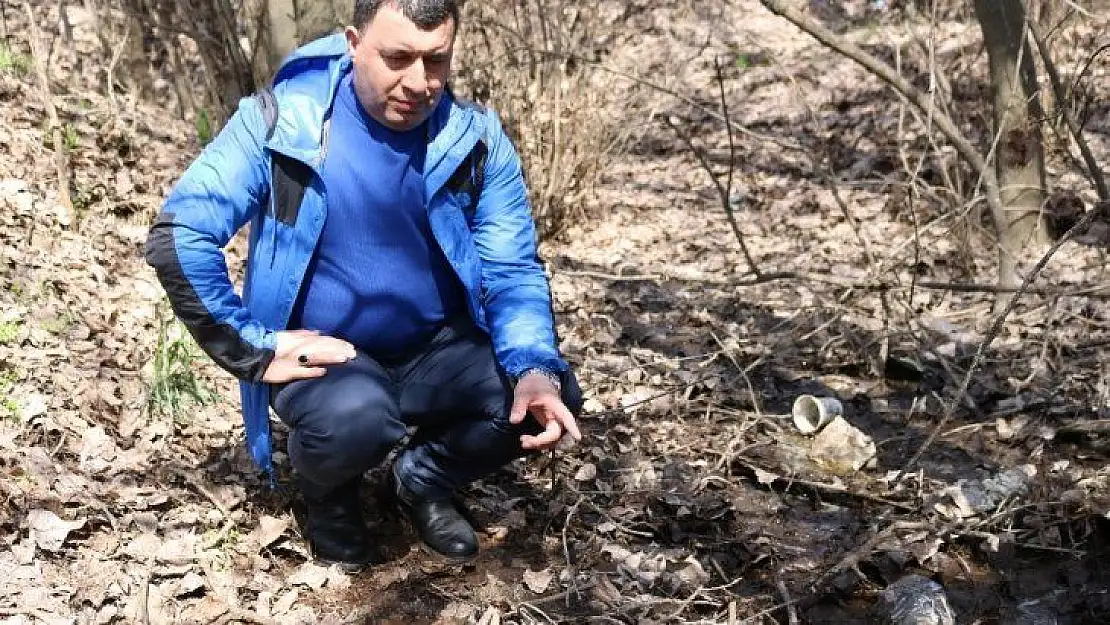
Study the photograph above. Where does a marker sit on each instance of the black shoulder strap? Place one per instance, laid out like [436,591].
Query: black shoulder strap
[289,177]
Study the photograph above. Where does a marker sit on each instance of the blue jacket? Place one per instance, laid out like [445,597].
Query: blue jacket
[490,244]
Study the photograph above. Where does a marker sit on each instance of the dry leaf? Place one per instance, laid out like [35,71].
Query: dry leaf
[270,530]
[31,406]
[48,531]
[97,450]
[308,574]
[586,472]
[285,603]
[492,616]
[765,477]
[537,581]
[189,584]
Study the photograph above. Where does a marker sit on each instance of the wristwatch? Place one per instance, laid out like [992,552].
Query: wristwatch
[551,376]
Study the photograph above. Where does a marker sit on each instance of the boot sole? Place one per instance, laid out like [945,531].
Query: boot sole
[446,558]
[344,565]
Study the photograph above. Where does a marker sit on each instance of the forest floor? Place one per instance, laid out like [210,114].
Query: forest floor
[692,498]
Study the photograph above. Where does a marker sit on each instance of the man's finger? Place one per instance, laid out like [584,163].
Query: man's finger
[304,373]
[519,409]
[551,435]
[567,420]
[327,358]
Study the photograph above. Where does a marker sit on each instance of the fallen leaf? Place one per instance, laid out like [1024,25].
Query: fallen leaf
[31,406]
[586,472]
[97,450]
[285,603]
[308,574]
[492,616]
[48,530]
[189,584]
[593,406]
[765,477]
[537,581]
[270,530]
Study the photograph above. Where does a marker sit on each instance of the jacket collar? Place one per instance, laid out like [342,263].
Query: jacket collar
[305,88]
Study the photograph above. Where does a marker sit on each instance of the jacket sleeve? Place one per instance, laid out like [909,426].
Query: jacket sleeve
[218,194]
[515,292]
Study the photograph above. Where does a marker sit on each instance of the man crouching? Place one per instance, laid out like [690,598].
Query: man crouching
[392,279]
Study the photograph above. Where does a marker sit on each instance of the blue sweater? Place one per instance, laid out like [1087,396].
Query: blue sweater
[378,278]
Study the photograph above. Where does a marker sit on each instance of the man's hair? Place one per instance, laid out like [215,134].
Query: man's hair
[426,14]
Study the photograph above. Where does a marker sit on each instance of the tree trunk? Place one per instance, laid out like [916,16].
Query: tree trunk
[1019,157]
[286,24]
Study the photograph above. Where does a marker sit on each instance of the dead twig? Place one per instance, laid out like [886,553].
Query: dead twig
[758,616]
[1093,169]
[1101,291]
[921,101]
[791,611]
[61,164]
[724,191]
[743,372]
[244,615]
[993,332]
[566,543]
[144,598]
[751,469]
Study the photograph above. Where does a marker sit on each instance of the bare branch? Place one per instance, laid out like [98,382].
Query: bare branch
[722,192]
[1077,133]
[887,74]
[61,164]
[993,332]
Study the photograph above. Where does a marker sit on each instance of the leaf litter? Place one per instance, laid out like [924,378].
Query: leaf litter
[691,497]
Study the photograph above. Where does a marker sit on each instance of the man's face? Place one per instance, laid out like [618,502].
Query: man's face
[400,69]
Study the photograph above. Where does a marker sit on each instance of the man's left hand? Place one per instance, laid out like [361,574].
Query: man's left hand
[536,394]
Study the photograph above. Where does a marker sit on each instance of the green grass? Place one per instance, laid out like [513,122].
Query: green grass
[8,331]
[174,383]
[59,325]
[13,62]
[746,60]
[204,127]
[9,408]
[70,139]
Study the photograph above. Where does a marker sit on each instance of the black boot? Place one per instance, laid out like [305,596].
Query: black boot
[441,527]
[334,526]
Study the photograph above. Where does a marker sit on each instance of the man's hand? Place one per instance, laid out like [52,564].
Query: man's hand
[536,394]
[304,354]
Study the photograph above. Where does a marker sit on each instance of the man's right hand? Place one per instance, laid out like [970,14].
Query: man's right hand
[302,354]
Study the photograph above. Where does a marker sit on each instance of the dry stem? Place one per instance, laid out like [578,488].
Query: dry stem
[993,332]
[61,166]
[920,100]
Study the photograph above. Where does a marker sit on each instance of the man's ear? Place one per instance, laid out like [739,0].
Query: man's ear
[353,39]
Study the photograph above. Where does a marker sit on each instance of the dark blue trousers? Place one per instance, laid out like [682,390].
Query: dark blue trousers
[453,391]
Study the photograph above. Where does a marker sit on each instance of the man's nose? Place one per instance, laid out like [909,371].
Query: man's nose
[416,79]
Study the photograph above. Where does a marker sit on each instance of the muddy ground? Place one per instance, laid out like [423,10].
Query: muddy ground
[692,497]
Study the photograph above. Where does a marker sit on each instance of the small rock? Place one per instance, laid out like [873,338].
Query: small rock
[841,447]
[915,600]
[975,497]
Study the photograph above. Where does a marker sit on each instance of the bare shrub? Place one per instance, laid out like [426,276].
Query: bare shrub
[534,62]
